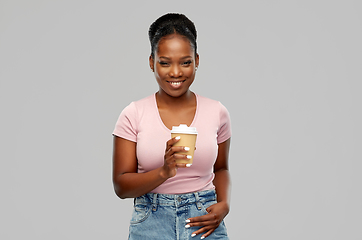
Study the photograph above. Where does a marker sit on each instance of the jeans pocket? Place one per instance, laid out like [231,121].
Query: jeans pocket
[140,213]
[207,204]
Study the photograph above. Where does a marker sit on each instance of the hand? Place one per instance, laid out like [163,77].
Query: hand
[169,168]
[210,221]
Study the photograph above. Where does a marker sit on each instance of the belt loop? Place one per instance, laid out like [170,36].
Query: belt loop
[197,198]
[154,207]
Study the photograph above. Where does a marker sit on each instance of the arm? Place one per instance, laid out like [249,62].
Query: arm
[218,211]
[222,177]
[127,182]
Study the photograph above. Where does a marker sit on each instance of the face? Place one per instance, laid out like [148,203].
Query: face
[174,65]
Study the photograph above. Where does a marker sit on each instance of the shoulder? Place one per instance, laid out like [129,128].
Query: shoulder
[210,103]
[143,102]
[129,120]
[216,116]
[139,105]
[212,107]
[137,109]
[206,100]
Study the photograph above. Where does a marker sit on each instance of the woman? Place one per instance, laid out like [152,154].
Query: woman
[173,201]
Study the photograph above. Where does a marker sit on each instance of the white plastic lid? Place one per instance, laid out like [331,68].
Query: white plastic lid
[183,128]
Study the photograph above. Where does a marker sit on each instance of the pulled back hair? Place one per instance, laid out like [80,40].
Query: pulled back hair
[171,23]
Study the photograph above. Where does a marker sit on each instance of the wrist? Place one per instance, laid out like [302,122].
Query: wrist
[162,174]
[225,205]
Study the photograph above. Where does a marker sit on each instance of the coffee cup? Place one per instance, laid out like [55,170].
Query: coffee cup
[187,139]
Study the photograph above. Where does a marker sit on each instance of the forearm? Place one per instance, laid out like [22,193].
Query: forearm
[131,185]
[222,186]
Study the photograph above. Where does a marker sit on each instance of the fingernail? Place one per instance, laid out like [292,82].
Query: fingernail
[187,226]
[202,237]
[189,156]
[187,220]
[177,138]
[187,148]
[193,235]
[188,165]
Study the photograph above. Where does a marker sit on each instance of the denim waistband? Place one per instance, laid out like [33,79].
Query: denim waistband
[176,199]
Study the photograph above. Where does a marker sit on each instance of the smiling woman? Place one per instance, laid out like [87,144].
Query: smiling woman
[174,65]
[173,200]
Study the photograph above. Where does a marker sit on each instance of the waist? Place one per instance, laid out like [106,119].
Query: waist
[176,199]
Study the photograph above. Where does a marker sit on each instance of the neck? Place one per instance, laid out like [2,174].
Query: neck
[163,99]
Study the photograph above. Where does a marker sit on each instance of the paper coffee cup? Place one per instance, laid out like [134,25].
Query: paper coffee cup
[188,139]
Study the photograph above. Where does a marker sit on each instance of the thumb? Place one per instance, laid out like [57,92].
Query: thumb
[209,209]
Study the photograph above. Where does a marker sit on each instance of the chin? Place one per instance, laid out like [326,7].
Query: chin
[176,94]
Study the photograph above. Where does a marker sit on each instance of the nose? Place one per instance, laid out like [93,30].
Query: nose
[175,71]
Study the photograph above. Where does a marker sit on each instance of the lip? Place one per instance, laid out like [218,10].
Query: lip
[176,84]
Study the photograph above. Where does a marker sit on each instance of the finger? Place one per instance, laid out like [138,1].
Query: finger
[183,165]
[210,223]
[171,142]
[209,209]
[181,156]
[171,163]
[176,149]
[180,149]
[203,218]
[208,220]
[208,233]
[172,157]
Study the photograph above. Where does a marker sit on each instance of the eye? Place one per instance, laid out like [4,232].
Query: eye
[187,63]
[163,63]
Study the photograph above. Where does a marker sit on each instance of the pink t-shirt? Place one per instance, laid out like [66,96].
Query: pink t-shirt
[140,122]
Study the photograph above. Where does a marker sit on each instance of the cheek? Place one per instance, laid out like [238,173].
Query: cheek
[191,71]
[163,72]
[159,75]
[160,72]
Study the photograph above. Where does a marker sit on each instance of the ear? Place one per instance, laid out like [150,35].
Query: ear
[152,63]
[197,58]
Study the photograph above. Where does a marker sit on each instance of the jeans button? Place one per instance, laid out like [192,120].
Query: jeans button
[179,199]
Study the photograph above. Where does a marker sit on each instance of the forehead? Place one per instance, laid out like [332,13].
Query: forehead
[174,45]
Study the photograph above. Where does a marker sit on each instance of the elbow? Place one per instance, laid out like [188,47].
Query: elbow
[118,189]
[121,196]
[123,189]
[119,192]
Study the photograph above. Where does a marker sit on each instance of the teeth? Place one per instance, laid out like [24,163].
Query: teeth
[175,83]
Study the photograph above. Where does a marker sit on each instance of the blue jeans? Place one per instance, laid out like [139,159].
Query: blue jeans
[162,216]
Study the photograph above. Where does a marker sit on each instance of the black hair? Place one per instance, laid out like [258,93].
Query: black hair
[171,23]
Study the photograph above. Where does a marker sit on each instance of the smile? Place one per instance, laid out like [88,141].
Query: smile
[176,83]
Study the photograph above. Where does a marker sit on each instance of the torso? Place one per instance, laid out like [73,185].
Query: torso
[141,123]
[174,116]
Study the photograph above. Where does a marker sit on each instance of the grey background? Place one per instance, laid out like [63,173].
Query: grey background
[288,71]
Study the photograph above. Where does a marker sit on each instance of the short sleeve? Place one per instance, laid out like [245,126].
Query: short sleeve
[224,131]
[126,126]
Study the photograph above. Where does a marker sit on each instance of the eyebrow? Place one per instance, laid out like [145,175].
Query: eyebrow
[170,59]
